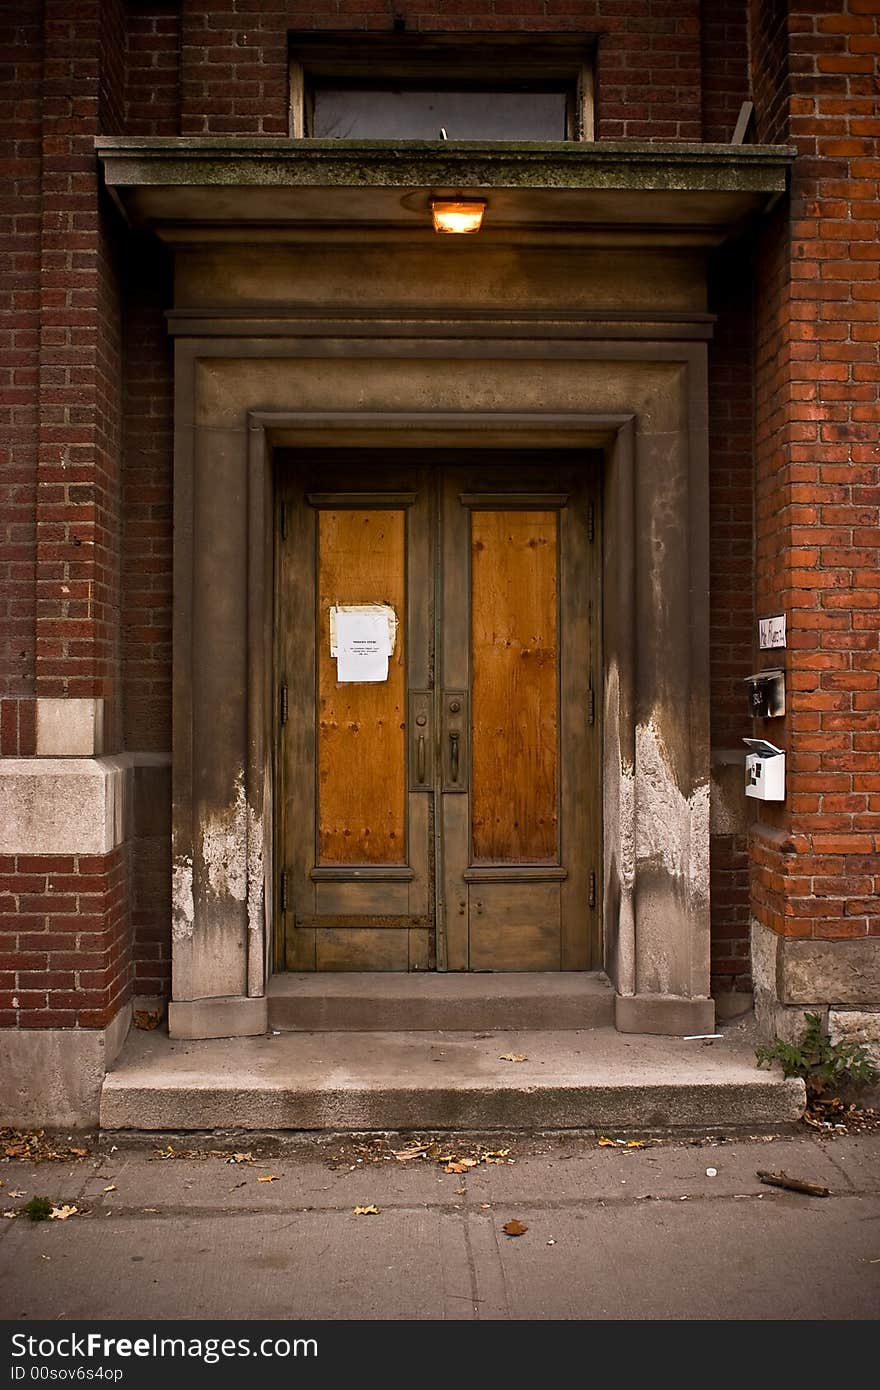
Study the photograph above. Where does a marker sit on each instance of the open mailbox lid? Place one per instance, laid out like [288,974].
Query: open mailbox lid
[762,747]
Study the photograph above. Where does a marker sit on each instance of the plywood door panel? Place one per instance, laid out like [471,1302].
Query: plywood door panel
[353,531]
[516,836]
[361,726]
[514,656]
[514,927]
[361,948]
[518,586]
[368,898]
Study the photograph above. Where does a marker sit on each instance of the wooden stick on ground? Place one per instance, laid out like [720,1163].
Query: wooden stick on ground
[812,1189]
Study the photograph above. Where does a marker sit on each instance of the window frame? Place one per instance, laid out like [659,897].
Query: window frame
[450,62]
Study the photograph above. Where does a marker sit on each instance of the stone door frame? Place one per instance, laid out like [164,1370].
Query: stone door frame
[655,579]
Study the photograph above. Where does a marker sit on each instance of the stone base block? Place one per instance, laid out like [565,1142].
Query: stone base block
[860,1026]
[52,1077]
[233,1016]
[669,1015]
[785,1021]
[816,973]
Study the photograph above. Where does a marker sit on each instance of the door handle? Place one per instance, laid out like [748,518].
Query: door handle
[455,741]
[453,755]
[420,740]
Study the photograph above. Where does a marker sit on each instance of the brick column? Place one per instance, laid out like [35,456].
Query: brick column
[816,930]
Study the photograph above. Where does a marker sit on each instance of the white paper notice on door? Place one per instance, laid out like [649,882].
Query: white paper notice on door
[362,638]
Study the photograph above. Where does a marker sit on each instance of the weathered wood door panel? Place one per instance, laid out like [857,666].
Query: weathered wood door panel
[446,815]
[520,839]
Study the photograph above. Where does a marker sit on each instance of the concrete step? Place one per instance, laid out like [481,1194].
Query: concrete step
[596,1079]
[367,1002]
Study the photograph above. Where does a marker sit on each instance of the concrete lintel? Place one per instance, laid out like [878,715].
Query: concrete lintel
[668,1015]
[53,1076]
[233,1016]
[70,728]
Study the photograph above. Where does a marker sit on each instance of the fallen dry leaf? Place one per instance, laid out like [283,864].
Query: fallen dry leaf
[79,1153]
[512,1057]
[366,1211]
[403,1155]
[16,1192]
[514,1228]
[111,1188]
[605,1143]
[461,1165]
[636,1143]
[268,1177]
[240,1158]
[62,1213]
[10,1215]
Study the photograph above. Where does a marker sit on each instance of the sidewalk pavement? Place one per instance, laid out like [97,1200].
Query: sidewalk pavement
[245,1226]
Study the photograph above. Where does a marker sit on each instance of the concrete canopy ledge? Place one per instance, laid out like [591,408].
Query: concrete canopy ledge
[353,1081]
[212,180]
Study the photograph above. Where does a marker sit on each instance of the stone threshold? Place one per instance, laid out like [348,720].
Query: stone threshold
[391,1002]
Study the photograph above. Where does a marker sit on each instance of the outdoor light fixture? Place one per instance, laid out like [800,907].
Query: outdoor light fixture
[457,216]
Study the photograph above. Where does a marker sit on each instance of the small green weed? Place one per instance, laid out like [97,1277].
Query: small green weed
[37,1209]
[824,1065]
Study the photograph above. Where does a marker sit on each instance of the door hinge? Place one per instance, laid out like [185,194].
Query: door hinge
[283,704]
[591,705]
[591,522]
[592,889]
[282,890]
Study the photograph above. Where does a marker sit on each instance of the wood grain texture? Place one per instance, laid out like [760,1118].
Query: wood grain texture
[514,655]
[361,727]
[514,926]
[361,949]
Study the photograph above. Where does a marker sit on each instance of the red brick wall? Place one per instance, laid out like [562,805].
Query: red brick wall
[234,55]
[666,69]
[725,62]
[152,68]
[79,423]
[147,500]
[818,468]
[64,940]
[20,91]
[731,598]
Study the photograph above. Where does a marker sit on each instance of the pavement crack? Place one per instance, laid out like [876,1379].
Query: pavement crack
[471,1264]
[835,1162]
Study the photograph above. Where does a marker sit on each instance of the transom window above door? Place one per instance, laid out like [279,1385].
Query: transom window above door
[436,87]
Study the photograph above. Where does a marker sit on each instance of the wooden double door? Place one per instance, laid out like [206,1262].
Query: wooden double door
[438,751]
